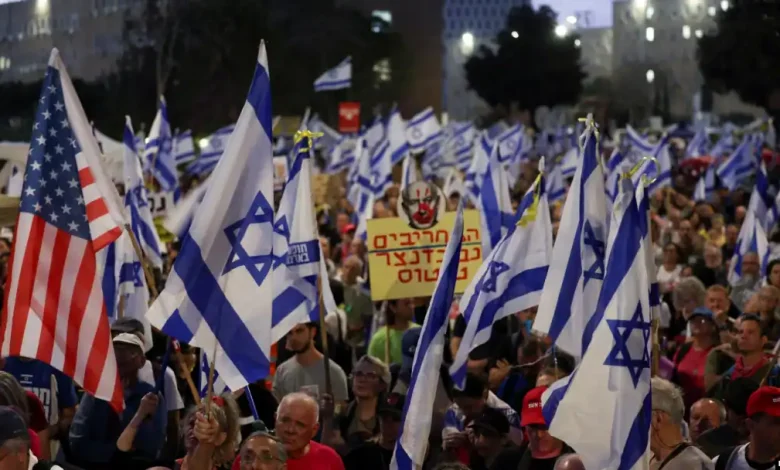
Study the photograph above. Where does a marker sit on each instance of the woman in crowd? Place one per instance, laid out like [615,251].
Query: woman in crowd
[210,435]
[669,271]
[29,408]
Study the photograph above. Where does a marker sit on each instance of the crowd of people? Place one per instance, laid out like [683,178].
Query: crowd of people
[716,401]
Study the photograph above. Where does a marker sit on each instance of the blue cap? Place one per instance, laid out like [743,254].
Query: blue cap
[408,346]
[702,312]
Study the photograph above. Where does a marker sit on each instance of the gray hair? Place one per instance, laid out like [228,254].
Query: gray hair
[300,397]
[15,446]
[722,413]
[279,445]
[12,394]
[383,372]
[667,397]
[687,290]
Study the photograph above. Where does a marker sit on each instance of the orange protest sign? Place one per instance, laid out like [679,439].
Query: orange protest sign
[404,262]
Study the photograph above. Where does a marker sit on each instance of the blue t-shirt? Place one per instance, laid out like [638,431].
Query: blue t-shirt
[35,376]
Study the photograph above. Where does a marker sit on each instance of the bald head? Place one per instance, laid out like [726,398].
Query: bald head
[706,414]
[300,401]
[569,462]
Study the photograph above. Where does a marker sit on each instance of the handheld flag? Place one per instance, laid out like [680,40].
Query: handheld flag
[337,78]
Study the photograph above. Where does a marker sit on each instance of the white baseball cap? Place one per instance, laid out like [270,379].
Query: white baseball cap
[129,338]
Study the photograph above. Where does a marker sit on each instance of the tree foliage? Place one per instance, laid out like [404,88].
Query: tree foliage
[533,69]
[741,55]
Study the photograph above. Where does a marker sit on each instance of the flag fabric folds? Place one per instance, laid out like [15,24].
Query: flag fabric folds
[511,276]
[54,309]
[411,447]
[422,130]
[337,78]
[159,150]
[604,410]
[219,292]
[576,272]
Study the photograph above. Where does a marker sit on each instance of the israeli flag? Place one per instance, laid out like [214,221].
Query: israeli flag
[604,411]
[137,201]
[361,192]
[412,444]
[341,156]
[337,78]
[211,153]
[732,171]
[422,130]
[569,162]
[510,143]
[179,220]
[658,172]
[705,187]
[218,383]
[761,201]
[510,278]
[219,291]
[478,167]
[453,184]
[698,145]
[381,169]
[398,147]
[159,150]
[573,283]
[296,248]
[495,203]
[408,172]
[752,239]
[556,184]
[183,147]
[636,140]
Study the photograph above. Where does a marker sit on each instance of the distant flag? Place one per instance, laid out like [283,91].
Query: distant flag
[296,248]
[137,201]
[495,204]
[219,291]
[659,170]
[453,184]
[159,150]
[211,153]
[54,309]
[183,147]
[568,163]
[730,172]
[638,141]
[179,219]
[361,193]
[705,187]
[422,130]
[395,134]
[604,411]
[761,201]
[477,169]
[511,276]
[752,239]
[556,185]
[337,78]
[698,145]
[573,283]
[510,142]
[408,172]
[412,444]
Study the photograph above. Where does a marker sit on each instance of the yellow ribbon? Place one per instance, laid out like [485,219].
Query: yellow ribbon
[529,215]
[630,173]
[306,134]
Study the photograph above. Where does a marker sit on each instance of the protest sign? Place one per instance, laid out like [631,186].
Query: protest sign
[404,262]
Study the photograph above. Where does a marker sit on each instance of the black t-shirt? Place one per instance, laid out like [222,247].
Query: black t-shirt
[370,456]
[716,441]
[508,459]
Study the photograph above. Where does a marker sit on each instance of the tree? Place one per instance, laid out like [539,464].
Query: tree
[741,55]
[530,67]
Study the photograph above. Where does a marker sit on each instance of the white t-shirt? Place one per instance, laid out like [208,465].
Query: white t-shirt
[669,277]
[739,462]
[173,399]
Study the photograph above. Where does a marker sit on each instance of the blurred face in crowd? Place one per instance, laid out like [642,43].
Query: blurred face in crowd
[705,415]
[732,233]
[750,265]
[541,442]
[404,309]
[300,338]
[687,271]
[765,432]
[702,327]
[471,407]
[453,201]
[389,427]
[750,338]
[367,380]
[325,247]
[739,214]
[342,220]
[296,425]
[488,442]
[717,300]
[767,299]
[380,211]
[129,360]
[705,211]
[713,257]
[261,453]
[685,231]
[357,248]
[5,247]
[351,270]
[774,276]
[670,255]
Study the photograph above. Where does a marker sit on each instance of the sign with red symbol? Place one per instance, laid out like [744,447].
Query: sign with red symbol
[421,205]
[349,117]
[404,260]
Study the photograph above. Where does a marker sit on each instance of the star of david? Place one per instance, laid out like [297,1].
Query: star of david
[596,270]
[137,280]
[282,228]
[417,133]
[139,197]
[490,278]
[620,356]
[258,266]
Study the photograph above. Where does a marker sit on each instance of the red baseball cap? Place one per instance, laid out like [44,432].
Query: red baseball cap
[348,228]
[764,400]
[532,408]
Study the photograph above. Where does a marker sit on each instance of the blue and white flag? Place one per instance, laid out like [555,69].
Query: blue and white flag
[736,167]
[412,444]
[495,203]
[761,201]
[219,291]
[179,219]
[752,239]
[636,140]
[569,162]
[296,248]
[658,171]
[698,145]
[705,187]
[211,153]
[453,184]
[395,133]
[159,150]
[477,169]
[571,290]
[218,384]
[511,276]
[408,172]
[556,184]
[422,130]
[337,78]
[137,201]
[183,147]
[604,411]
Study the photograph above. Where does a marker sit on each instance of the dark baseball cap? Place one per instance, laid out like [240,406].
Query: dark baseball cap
[128,325]
[492,422]
[392,405]
[12,426]
[738,393]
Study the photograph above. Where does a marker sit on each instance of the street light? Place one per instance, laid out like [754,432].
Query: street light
[712,11]
[724,5]
[571,19]
[699,33]
[649,13]
[203,143]
[577,43]
[686,31]
[515,34]
[561,31]
[650,34]
[467,43]
[650,75]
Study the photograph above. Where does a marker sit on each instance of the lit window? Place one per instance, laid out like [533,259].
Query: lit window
[467,43]
[515,34]
[650,75]
[686,31]
[383,71]
[650,34]
[699,33]
[724,5]
[649,13]
[571,19]
[640,3]
[577,43]
[711,11]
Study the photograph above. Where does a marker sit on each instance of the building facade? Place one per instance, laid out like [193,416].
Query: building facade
[88,34]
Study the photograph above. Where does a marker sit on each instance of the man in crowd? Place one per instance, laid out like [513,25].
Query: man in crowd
[752,362]
[400,316]
[569,462]
[262,451]
[705,414]
[306,370]
[297,422]
[94,433]
[377,453]
[763,448]
[749,282]
[492,448]
[669,448]
[543,449]
[734,430]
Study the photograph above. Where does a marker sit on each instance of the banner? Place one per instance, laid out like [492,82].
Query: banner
[160,203]
[349,117]
[404,262]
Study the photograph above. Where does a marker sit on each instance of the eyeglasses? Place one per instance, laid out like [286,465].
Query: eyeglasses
[365,375]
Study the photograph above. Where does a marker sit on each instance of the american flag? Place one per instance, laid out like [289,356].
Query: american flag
[53,309]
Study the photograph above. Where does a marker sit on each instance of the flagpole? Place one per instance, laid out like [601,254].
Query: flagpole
[147,272]
[210,382]
[324,337]
[187,375]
